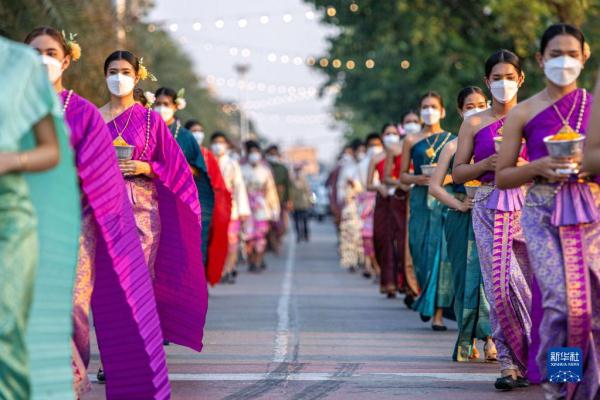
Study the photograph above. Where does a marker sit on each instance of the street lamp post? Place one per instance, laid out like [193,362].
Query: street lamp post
[242,71]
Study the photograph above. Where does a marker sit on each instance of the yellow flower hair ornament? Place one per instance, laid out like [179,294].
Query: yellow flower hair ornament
[72,45]
[144,73]
[180,102]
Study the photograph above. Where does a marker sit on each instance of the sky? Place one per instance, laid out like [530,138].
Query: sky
[274,38]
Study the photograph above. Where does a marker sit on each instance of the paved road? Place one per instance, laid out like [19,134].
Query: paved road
[306,330]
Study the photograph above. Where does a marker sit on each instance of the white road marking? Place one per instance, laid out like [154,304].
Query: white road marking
[321,376]
[282,337]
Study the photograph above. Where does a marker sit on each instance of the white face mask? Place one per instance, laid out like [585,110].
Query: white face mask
[54,68]
[218,149]
[199,136]
[254,158]
[360,156]
[473,111]
[431,115]
[392,139]
[165,112]
[504,90]
[120,85]
[273,159]
[563,70]
[410,128]
[375,150]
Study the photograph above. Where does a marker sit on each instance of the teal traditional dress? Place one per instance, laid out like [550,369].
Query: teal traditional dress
[39,231]
[426,234]
[193,155]
[470,305]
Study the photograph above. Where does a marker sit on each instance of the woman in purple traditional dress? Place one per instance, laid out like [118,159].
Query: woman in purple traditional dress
[501,251]
[560,218]
[105,264]
[165,203]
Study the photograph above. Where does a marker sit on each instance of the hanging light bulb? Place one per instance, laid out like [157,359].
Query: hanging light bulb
[197,26]
[331,11]
[354,7]
[219,23]
[370,63]
[323,62]
[264,19]
[350,64]
[242,23]
[336,63]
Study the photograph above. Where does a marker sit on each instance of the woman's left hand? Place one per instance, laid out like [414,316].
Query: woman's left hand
[134,168]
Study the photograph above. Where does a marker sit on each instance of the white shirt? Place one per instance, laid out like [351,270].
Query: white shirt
[232,174]
[348,172]
[259,179]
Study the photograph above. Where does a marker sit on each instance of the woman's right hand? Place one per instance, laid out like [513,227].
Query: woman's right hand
[382,190]
[8,162]
[466,205]
[490,163]
[547,166]
[422,180]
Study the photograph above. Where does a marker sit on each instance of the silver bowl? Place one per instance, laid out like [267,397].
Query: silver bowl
[428,169]
[471,191]
[567,150]
[124,153]
[497,143]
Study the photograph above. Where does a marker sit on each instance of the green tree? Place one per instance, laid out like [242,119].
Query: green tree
[94,21]
[420,45]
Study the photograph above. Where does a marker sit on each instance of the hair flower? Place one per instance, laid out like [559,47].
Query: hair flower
[150,98]
[73,46]
[144,73]
[180,102]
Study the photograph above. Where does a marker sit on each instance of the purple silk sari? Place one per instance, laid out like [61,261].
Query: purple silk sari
[504,263]
[179,279]
[561,225]
[111,259]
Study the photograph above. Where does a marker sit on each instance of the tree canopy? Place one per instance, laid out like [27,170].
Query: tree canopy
[421,45]
[94,21]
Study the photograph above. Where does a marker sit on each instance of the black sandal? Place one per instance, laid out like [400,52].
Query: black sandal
[100,376]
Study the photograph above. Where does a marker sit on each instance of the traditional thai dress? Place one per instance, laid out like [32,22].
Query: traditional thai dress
[264,204]
[240,207]
[366,208]
[217,237]
[351,254]
[503,257]
[110,255]
[470,305]
[426,234]
[281,175]
[389,237]
[562,228]
[167,214]
[39,220]
[193,155]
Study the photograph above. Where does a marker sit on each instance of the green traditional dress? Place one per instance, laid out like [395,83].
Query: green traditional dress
[39,230]
[426,234]
[470,305]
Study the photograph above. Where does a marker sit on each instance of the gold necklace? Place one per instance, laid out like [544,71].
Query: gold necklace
[120,134]
[566,125]
[431,151]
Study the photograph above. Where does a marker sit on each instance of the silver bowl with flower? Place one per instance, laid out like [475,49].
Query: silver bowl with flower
[428,169]
[124,153]
[568,150]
